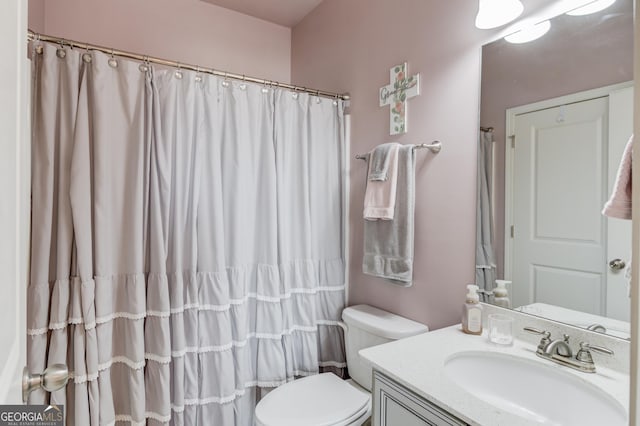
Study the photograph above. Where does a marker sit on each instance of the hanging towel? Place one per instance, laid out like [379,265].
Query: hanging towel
[380,195]
[388,245]
[379,161]
[619,205]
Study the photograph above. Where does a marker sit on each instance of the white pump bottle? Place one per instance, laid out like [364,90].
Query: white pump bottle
[472,312]
[501,294]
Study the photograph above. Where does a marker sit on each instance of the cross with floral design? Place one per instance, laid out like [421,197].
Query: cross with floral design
[396,94]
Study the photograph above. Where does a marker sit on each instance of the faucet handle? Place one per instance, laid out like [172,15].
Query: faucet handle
[584,346]
[545,341]
[545,334]
[584,354]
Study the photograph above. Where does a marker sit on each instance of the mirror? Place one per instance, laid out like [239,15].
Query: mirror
[555,117]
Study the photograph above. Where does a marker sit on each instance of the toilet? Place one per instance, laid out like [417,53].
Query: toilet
[325,399]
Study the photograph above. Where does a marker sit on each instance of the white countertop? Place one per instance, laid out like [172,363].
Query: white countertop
[417,363]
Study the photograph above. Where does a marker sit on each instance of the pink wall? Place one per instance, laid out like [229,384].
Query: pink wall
[36,15]
[577,54]
[349,46]
[189,31]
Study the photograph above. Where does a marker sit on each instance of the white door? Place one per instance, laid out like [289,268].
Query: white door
[560,185]
[14,195]
[618,230]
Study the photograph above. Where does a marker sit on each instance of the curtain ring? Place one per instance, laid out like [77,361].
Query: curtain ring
[38,47]
[113,63]
[178,72]
[61,53]
[86,56]
[144,66]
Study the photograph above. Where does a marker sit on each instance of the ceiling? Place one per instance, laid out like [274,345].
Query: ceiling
[282,12]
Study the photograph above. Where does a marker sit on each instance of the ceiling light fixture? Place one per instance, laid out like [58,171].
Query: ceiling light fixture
[591,7]
[528,34]
[495,13]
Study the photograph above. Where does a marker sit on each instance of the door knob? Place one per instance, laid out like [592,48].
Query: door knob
[617,264]
[53,378]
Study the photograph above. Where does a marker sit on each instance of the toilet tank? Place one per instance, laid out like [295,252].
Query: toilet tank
[368,326]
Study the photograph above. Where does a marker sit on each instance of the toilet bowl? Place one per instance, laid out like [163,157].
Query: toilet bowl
[325,399]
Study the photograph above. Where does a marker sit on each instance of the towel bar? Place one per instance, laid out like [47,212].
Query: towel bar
[435,147]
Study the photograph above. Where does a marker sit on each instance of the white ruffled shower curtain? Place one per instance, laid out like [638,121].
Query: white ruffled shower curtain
[187,241]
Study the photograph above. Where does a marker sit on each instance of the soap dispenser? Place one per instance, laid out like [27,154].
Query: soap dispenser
[501,295]
[472,312]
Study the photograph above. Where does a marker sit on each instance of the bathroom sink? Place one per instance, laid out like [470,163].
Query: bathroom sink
[533,390]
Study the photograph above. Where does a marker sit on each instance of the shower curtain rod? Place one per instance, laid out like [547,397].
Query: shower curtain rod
[33,36]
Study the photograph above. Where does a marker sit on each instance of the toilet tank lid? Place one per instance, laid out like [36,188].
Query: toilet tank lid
[381,323]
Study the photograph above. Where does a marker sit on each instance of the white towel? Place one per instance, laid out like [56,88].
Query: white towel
[619,205]
[380,195]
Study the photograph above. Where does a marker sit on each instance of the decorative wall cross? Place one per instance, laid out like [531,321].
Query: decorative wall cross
[396,94]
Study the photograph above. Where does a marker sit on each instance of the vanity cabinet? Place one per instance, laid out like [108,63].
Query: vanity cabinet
[395,405]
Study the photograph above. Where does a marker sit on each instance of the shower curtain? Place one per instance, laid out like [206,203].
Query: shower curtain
[187,243]
[485,257]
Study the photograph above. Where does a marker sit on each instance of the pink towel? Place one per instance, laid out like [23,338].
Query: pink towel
[380,195]
[619,205]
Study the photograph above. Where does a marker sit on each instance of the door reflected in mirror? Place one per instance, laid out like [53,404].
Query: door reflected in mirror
[556,115]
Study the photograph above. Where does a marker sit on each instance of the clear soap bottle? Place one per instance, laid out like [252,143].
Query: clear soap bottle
[472,312]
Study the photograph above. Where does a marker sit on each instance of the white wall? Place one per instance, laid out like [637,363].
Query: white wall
[14,194]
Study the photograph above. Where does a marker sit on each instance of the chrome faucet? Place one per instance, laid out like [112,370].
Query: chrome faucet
[559,347]
[598,328]
[560,352]
[547,347]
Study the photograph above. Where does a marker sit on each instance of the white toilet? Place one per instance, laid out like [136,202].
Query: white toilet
[327,400]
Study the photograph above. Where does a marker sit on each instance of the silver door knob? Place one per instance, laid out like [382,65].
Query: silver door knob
[53,378]
[617,264]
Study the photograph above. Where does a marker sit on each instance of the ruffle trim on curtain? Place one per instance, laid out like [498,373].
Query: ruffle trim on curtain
[259,325]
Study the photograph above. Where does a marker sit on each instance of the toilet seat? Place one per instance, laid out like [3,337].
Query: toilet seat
[319,400]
